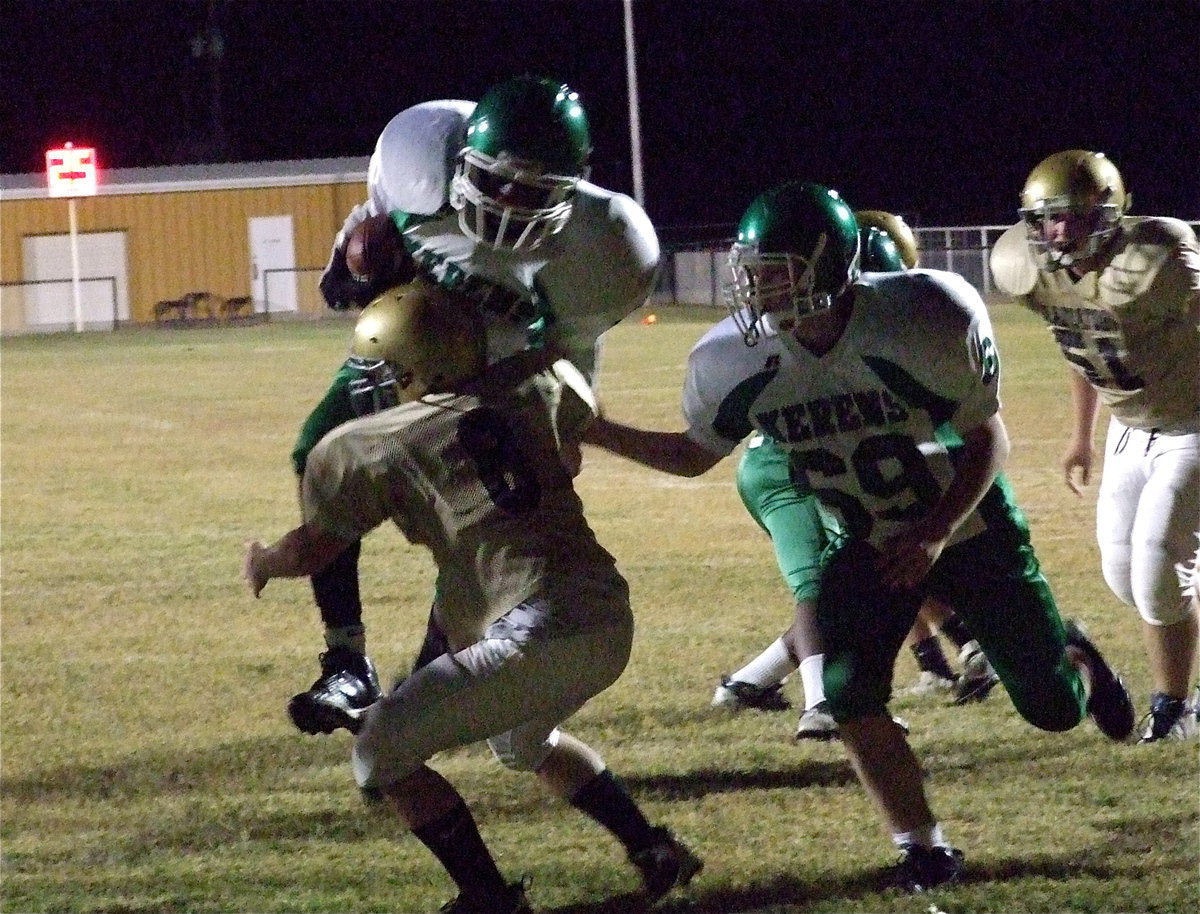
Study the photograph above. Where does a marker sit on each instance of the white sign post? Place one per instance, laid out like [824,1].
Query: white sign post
[71,173]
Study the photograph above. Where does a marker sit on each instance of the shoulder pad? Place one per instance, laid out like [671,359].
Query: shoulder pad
[1014,269]
[413,160]
[1158,230]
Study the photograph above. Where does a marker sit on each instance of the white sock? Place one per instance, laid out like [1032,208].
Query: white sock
[926,836]
[353,637]
[812,677]
[773,665]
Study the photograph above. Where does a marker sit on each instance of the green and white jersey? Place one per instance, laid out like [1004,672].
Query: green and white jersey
[477,478]
[1132,328]
[564,293]
[872,425]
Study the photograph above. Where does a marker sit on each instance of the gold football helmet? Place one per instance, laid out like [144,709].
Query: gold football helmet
[1072,204]
[412,340]
[896,228]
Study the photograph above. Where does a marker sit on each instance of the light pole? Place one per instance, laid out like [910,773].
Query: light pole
[635,128]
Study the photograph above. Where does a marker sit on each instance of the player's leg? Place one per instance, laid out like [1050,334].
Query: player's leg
[348,682]
[797,533]
[1053,672]
[561,671]
[935,675]
[863,626]
[438,816]
[575,772]
[1161,555]
[977,678]
[509,688]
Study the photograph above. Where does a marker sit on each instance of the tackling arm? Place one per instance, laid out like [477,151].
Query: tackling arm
[667,452]
[301,552]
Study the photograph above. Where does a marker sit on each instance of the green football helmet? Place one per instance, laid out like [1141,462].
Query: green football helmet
[1072,204]
[411,340]
[527,148]
[888,245]
[879,251]
[797,250]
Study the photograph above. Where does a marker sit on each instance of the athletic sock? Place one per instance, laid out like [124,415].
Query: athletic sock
[350,637]
[454,839]
[770,667]
[812,677]
[606,800]
[956,630]
[930,657]
[926,836]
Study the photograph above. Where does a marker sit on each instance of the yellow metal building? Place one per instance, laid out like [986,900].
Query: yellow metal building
[152,239]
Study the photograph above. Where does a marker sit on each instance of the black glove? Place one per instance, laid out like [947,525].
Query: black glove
[342,290]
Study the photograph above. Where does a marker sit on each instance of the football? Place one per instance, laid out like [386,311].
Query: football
[372,245]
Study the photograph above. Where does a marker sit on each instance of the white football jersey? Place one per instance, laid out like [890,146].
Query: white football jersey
[477,478]
[871,424]
[575,285]
[1132,328]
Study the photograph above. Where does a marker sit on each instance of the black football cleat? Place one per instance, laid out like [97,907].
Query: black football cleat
[734,695]
[511,901]
[977,679]
[665,864]
[347,686]
[1109,704]
[923,868]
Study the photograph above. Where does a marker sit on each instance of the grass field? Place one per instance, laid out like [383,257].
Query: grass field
[148,764]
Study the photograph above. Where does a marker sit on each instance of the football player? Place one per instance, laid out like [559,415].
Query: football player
[491,200]
[1121,296]
[534,611]
[800,531]
[884,390]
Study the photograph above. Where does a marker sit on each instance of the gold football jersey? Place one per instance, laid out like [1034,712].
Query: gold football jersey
[479,479]
[1132,328]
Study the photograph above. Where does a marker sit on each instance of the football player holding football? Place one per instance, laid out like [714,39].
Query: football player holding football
[492,201]
[536,615]
[1121,296]
[800,531]
[884,390]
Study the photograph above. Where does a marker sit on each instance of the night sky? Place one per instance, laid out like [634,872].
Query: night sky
[931,108]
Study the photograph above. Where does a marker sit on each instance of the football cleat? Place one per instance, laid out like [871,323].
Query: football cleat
[931,683]
[665,864]
[1109,704]
[923,868]
[511,901]
[1168,718]
[347,686]
[977,679]
[817,723]
[734,695]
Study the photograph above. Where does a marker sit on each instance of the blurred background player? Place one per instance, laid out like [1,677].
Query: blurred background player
[800,532]
[1121,295]
[490,200]
[884,389]
[478,466]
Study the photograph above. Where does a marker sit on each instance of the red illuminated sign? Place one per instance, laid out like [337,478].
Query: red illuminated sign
[71,171]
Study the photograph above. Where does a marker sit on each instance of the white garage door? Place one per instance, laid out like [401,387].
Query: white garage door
[103,287]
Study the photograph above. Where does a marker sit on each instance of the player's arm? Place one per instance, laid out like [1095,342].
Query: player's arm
[367,259]
[907,557]
[301,552]
[1080,454]
[667,452]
